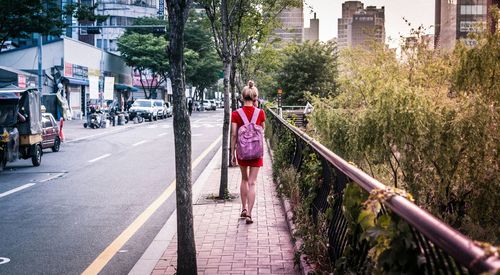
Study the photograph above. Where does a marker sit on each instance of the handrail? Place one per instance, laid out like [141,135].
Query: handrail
[457,245]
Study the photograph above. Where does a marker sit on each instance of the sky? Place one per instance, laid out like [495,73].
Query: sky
[418,12]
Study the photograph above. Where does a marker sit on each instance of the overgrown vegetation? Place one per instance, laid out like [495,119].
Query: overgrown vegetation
[427,124]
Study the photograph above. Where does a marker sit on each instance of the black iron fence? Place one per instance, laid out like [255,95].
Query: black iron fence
[439,248]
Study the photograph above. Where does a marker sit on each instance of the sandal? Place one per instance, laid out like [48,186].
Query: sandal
[249,220]
[243,213]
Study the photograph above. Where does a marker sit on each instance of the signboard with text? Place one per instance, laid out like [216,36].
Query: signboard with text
[21,81]
[93,87]
[109,87]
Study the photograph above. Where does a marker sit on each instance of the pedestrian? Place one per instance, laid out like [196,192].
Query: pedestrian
[190,107]
[247,131]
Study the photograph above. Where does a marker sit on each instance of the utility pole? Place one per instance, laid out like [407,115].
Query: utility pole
[40,71]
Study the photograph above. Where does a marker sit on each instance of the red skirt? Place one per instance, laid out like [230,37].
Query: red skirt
[251,162]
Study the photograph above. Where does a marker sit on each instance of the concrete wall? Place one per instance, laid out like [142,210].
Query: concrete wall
[79,53]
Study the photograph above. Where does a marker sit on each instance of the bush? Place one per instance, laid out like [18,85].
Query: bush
[433,134]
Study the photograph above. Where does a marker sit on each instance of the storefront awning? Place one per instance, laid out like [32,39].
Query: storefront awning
[76,81]
[120,86]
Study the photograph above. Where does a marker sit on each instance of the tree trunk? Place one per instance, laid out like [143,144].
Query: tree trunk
[225,132]
[226,59]
[234,63]
[186,252]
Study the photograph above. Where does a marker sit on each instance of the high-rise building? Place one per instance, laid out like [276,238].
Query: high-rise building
[367,27]
[349,8]
[312,33]
[292,21]
[122,13]
[455,19]
[359,26]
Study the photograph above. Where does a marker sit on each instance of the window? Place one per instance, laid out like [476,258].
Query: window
[472,10]
[46,123]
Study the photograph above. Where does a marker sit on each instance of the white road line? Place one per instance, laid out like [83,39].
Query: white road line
[99,158]
[16,189]
[139,143]
[162,134]
[58,175]
[196,135]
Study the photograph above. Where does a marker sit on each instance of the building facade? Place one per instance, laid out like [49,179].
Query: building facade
[349,8]
[292,28]
[455,19]
[360,26]
[312,33]
[71,63]
[368,27]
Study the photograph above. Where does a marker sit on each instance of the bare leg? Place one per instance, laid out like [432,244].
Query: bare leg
[244,187]
[252,179]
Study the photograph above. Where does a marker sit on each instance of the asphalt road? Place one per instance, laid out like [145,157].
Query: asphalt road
[59,217]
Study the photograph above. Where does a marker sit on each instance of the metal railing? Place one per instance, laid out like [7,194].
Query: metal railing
[445,250]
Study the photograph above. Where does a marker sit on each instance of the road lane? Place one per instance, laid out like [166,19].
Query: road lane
[60,226]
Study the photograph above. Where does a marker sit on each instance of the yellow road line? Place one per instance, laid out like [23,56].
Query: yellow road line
[102,260]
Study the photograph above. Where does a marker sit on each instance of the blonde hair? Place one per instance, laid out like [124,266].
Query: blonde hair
[250,92]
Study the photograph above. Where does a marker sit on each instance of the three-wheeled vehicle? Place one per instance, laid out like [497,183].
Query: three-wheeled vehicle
[20,126]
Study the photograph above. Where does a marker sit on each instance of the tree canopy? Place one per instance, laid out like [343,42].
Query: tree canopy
[308,67]
[146,54]
[144,49]
[21,18]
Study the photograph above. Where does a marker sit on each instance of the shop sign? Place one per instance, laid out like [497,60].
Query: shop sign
[76,71]
[161,8]
[21,81]
[68,69]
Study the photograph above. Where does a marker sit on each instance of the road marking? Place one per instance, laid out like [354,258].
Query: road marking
[102,260]
[22,187]
[196,135]
[4,260]
[139,143]
[99,158]
[162,134]
[58,175]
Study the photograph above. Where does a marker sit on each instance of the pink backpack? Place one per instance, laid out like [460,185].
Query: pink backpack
[250,137]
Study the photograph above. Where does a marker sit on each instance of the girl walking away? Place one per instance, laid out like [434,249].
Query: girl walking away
[247,130]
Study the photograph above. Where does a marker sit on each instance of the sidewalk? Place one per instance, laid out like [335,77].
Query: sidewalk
[225,244]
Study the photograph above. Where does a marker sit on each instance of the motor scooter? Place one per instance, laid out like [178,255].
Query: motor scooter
[94,118]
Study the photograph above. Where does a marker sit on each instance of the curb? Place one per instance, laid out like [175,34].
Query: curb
[305,268]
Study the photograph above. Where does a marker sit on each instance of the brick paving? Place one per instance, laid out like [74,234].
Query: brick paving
[225,244]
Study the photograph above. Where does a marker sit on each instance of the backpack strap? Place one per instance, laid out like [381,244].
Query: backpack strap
[243,116]
[256,113]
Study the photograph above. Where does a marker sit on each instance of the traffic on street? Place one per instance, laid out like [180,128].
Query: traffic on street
[57,218]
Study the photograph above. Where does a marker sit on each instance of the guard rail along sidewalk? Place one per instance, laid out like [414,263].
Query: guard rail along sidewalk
[439,248]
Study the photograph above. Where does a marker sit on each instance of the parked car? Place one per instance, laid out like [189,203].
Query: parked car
[144,108]
[168,109]
[160,109]
[213,104]
[207,105]
[197,105]
[219,103]
[50,133]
